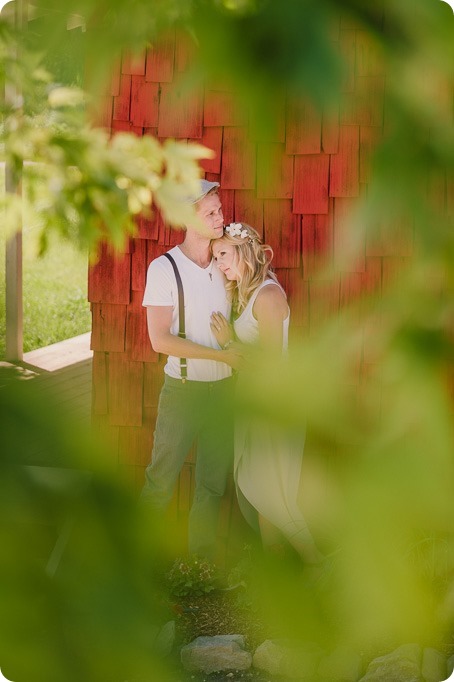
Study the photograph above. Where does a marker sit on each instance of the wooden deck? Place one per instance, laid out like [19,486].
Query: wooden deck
[62,372]
[60,355]
[70,386]
[63,375]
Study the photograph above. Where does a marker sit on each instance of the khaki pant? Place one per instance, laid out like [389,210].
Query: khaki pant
[200,412]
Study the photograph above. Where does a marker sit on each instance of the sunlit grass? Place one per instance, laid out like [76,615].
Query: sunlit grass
[54,289]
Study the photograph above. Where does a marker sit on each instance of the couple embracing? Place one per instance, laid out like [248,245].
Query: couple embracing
[192,293]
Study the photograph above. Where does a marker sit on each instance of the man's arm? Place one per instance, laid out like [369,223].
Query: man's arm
[159,321]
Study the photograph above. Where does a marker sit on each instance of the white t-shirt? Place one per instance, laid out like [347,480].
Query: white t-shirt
[204,293]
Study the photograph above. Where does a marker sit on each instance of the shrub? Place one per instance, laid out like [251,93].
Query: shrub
[192,576]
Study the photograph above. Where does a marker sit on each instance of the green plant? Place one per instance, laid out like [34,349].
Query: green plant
[192,576]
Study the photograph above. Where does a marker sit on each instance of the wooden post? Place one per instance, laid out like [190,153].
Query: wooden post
[13,265]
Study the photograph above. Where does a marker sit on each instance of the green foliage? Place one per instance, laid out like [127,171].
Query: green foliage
[378,465]
[193,576]
[78,588]
[89,188]
[84,185]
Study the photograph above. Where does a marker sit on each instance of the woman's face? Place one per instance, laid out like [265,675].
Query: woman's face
[226,257]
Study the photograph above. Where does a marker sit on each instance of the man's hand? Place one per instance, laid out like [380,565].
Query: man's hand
[232,356]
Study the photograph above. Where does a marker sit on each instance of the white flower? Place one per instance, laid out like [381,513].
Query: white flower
[236,230]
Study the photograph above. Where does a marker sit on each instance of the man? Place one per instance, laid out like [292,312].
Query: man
[197,407]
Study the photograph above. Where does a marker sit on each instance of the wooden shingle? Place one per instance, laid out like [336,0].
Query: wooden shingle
[349,238]
[133,63]
[139,265]
[365,106]
[369,139]
[282,231]
[323,301]
[126,127]
[101,112]
[212,138]
[392,237]
[160,59]
[344,166]
[115,78]
[110,277]
[369,57]
[249,209]
[298,297]
[269,125]
[347,50]
[144,102]
[125,391]
[153,379]
[148,226]
[222,109]
[180,112]
[372,276]
[238,160]
[122,101]
[330,131]
[317,244]
[304,128]
[227,197]
[100,383]
[138,346]
[109,327]
[310,182]
[185,50]
[274,171]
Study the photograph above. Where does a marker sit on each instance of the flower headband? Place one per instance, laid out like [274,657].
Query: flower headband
[237,230]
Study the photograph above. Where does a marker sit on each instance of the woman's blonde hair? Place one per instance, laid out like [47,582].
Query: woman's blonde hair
[254,256]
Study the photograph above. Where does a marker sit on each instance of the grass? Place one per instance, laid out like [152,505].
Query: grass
[54,290]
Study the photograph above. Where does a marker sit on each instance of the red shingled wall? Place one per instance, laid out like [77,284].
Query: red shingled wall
[322,166]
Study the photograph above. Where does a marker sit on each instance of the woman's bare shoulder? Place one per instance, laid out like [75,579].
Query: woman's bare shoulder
[270,298]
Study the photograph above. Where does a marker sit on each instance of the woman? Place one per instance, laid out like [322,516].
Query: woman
[267,460]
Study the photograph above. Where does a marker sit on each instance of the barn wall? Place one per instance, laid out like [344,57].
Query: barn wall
[323,166]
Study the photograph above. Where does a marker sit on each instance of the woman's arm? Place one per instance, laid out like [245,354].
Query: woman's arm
[270,310]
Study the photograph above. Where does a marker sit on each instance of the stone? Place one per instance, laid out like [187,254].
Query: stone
[165,638]
[450,666]
[411,651]
[293,660]
[211,654]
[402,665]
[342,665]
[434,665]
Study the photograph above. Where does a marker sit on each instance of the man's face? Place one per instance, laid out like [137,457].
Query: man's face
[209,211]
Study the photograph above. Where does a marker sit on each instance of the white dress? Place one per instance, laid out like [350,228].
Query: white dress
[267,459]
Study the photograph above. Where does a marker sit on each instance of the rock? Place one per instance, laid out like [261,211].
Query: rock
[287,659]
[165,638]
[210,654]
[434,666]
[450,666]
[411,651]
[342,665]
[402,665]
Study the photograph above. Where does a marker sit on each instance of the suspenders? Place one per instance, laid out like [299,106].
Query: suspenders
[181,325]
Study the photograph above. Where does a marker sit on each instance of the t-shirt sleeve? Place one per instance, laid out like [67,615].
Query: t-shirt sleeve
[159,289]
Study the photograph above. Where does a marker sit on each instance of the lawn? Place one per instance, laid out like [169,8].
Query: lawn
[55,290]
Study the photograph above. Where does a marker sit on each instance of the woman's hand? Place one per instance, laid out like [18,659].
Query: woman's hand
[222,329]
